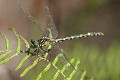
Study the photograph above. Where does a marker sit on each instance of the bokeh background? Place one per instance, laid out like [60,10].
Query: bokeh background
[100,56]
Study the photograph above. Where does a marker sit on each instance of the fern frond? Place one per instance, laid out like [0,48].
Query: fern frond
[22,62]
[18,50]
[6,59]
[63,69]
[48,67]
[33,65]
[45,70]
[7,51]
[6,41]
[26,42]
[74,71]
[27,56]
[30,67]
[83,75]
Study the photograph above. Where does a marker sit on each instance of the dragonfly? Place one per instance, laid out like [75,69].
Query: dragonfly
[50,34]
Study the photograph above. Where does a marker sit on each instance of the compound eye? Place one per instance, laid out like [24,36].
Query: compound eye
[32,41]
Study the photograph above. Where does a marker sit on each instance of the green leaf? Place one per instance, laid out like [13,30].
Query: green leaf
[83,75]
[22,62]
[74,71]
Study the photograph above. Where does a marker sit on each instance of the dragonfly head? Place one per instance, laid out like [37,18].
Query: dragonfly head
[34,43]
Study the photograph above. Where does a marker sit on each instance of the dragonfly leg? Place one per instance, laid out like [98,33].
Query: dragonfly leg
[27,50]
[49,58]
[35,52]
[48,52]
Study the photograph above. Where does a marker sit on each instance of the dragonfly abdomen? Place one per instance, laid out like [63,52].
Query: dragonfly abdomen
[90,34]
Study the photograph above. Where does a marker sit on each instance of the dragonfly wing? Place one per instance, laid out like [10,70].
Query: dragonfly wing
[43,29]
[64,59]
[34,22]
[50,23]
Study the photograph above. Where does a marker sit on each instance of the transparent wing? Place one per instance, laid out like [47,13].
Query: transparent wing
[64,59]
[50,23]
[34,21]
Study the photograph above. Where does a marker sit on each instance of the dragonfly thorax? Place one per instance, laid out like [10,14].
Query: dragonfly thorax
[44,41]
